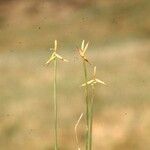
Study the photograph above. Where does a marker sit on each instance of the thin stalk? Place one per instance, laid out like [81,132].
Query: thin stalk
[87,105]
[76,125]
[55,105]
[91,118]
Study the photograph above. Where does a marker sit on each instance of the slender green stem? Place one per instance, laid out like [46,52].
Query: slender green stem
[91,118]
[55,105]
[87,105]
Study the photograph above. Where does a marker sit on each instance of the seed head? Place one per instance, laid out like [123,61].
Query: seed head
[94,80]
[55,55]
[82,51]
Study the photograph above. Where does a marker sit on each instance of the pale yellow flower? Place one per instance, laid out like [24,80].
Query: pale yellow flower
[55,55]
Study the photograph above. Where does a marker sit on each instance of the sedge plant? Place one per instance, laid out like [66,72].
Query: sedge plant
[92,84]
[53,58]
[82,51]
[89,99]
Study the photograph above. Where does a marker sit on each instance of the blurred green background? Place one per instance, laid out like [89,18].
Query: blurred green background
[119,34]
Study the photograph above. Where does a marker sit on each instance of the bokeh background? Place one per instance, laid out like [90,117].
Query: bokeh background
[119,35]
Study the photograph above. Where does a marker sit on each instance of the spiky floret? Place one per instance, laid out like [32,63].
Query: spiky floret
[82,51]
[54,55]
[94,80]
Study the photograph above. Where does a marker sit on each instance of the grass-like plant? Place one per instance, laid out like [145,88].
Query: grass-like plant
[89,100]
[54,57]
[82,51]
[92,83]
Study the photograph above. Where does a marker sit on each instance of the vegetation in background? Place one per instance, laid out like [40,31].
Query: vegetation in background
[32,24]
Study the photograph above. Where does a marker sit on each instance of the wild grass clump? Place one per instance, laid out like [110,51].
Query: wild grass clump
[92,84]
[89,98]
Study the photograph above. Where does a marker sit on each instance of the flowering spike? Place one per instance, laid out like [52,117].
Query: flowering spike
[82,51]
[93,81]
[55,55]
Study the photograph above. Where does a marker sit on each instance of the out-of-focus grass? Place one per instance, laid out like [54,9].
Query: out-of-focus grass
[30,24]
[121,119]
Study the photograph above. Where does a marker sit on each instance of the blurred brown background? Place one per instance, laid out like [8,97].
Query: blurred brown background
[119,33]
